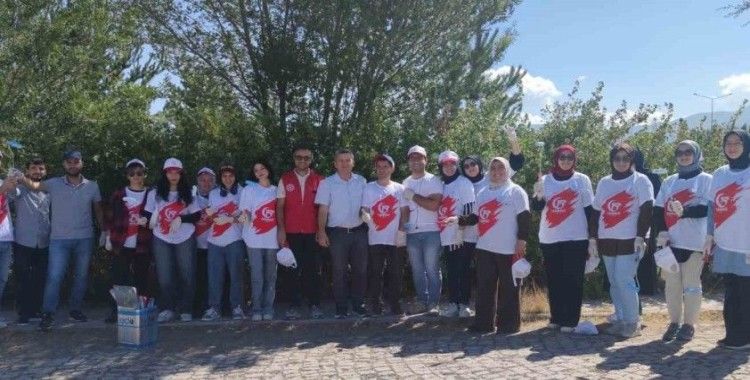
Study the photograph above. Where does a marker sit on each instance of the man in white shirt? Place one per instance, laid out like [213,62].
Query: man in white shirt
[422,195]
[341,228]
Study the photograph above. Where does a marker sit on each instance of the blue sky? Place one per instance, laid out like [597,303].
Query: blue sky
[644,51]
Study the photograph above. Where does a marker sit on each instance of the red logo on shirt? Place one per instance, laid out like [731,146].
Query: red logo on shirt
[725,203]
[384,212]
[3,208]
[168,213]
[134,213]
[684,196]
[488,215]
[446,210]
[265,217]
[616,208]
[560,207]
[228,209]
[203,224]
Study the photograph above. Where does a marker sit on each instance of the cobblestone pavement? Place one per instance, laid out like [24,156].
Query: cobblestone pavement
[413,347]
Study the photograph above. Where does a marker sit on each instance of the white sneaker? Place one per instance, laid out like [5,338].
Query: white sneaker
[630,330]
[165,316]
[210,315]
[449,310]
[238,313]
[433,309]
[186,317]
[567,329]
[269,316]
[256,317]
[464,311]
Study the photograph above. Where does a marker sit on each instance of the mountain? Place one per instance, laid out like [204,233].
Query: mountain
[720,117]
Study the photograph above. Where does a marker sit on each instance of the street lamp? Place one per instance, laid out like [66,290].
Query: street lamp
[712,99]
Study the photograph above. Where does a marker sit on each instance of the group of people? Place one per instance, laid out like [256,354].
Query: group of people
[466,214]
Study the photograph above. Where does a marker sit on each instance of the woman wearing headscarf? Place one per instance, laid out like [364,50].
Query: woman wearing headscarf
[680,212]
[623,208]
[458,199]
[503,220]
[564,198]
[729,216]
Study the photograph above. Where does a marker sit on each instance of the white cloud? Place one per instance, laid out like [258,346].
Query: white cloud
[738,83]
[534,119]
[581,78]
[538,92]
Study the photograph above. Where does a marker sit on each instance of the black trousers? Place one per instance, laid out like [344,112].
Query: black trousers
[458,273]
[349,266]
[564,264]
[129,269]
[737,309]
[385,267]
[30,268]
[305,278]
[496,306]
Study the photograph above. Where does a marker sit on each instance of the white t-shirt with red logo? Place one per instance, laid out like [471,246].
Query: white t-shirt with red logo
[685,233]
[260,205]
[385,204]
[202,226]
[456,195]
[619,203]
[563,217]
[166,211]
[134,202]
[421,219]
[730,193]
[497,209]
[470,232]
[6,226]
[228,205]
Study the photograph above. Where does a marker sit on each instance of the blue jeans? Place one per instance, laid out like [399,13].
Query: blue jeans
[623,288]
[175,260]
[424,256]
[6,252]
[263,278]
[61,251]
[220,260]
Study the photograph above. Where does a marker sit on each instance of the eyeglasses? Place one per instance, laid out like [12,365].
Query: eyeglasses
[734,144]
[136,174]
[303,158]
[566,157]
[621,159]
[686,153]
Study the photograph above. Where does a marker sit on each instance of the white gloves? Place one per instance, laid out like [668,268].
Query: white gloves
[175,224]
[223,219]
[662,239]
[708,246]
[408,194]
[677,208]
[538,191]
[593,249]
[639,246]
[365,216]
[451,220]
[400,238]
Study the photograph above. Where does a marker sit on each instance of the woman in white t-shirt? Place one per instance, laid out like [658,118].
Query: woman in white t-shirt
[226,252]
[564,198]
[503,220]
[623,204]
[172,212]
[680,212]
[258,206]
[458,199]
[728,218]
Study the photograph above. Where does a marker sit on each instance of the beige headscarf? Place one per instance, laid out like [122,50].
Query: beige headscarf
[509,172]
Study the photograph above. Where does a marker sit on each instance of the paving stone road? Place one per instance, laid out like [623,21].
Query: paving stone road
[415,347]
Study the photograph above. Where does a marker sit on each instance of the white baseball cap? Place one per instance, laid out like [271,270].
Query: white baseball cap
[417,149]
[172,163]
[136,162]
[206,170]
[385,157]
[448,156]
[665,259]
[520,269]
[285,257]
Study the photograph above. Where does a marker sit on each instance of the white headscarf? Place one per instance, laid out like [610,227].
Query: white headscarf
[509,172]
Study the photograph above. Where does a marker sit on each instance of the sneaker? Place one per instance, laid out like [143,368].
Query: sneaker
[397,310]
[36,317]
[735,346]
[315,312]
[418,308]
[686,333]
[630,330]
[77,316]
[567,329]
[360,311]
[186,317]
[209,316]
[46,322]
[464,311]
[257,317]
[480,330]
[292,314]
[671,332]
[614,329]
[341,313]
[269,316]
[433,309]
[238,313]
[165,316]
[449,310]
[3,324]
[553,326]
[22,320]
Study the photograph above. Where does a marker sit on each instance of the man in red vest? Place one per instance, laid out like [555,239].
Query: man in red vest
[296,217]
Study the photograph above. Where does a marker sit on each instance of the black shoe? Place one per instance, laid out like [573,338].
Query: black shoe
[360,311]
[671,332]
[77,316]
[341,313]
[686,333]
[480,330]
[111,317]
[397,310]
[507,331]
[22,320]
[36,317]
[47,321]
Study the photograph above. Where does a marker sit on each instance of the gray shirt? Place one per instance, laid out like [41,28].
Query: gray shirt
[32,217]
[72,208]
[343,198]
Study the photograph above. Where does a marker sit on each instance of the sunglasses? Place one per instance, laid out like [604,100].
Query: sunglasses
[680,153]
[303,158]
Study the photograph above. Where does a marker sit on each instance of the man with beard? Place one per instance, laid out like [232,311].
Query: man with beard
[74,202]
